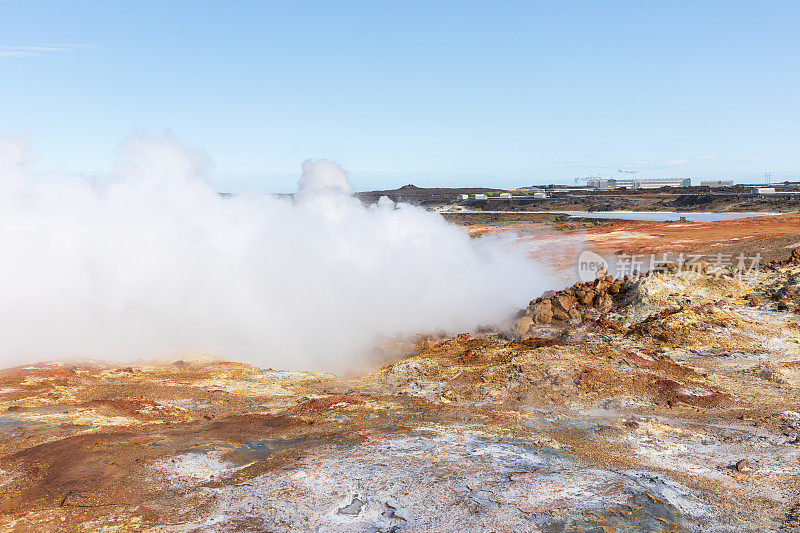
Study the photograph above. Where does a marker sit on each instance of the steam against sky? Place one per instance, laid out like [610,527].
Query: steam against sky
[152,261]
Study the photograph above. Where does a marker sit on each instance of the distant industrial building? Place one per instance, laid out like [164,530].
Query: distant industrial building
[626,184]
[611,183]
[717,183]
[539,195]
[506,195]
[667,182]
[602,183]
[763,190]
[464,197]
[481,197]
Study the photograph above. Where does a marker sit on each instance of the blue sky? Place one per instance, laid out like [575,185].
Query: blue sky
[434,93]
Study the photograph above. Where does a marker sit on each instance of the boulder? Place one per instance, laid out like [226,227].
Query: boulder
[543,312]
[522,325]
[564,302]
[588,297]
[560,314]
[603,303]
[743,466]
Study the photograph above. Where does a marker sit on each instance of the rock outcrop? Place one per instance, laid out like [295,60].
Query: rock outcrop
[583,301]
[793,259]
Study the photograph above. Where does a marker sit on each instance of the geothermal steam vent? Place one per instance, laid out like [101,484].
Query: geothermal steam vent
[150,260]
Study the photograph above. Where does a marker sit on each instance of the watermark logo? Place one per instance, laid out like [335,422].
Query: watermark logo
[589,264]
[741,267]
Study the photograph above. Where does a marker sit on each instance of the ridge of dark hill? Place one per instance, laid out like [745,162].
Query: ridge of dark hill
[422,195]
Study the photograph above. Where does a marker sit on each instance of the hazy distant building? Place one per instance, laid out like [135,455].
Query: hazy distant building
[626,184]
[539,195]
[506,195]
[601,183]
[716,183]
[481,197]
[763,190]
[631,184]
[464,196]
[666,182]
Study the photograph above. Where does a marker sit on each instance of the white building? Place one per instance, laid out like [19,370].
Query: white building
[611,183]
[539,195]
[717,183]
[481,197]
[626,184]
[666,182]
[464,196]
[763,190]
[506,195]
[601,183]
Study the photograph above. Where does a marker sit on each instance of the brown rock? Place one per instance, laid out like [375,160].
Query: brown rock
[560,314]
[603,303]
[588,298]
[614,288]
[564,301]
[743,466]
[543,312]
[522,326]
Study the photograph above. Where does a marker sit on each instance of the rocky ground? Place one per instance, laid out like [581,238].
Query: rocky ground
[660,403]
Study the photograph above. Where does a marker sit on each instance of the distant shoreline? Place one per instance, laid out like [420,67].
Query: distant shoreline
[668,200]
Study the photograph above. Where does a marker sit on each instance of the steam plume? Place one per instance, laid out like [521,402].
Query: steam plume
[153,261]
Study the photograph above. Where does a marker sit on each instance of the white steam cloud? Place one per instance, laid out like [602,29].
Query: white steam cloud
[154,261]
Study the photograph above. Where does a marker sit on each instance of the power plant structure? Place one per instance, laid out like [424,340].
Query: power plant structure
[636,183]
